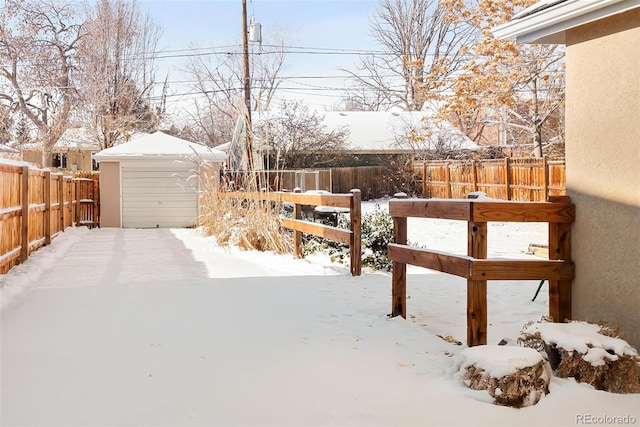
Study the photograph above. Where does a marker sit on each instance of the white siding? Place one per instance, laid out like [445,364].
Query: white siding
[158,197]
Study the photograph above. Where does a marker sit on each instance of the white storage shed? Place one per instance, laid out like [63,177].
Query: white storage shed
[153,181]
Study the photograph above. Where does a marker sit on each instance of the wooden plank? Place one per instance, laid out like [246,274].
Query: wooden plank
[34,245]
[459,209]
[10,168]
[560,290]
[10,213]
[61,200]
[507,178]
[355,237]
[325,231]
[10,256]
[474,176]
[476,289]
[47,207]
[545,184]
[458,265]
[448,181]
[77,201]
[37,207]
[522,212]
[96,196]
[399,268]
[500,269]
[476,312]
[334,200]
[24,252]
[424,180]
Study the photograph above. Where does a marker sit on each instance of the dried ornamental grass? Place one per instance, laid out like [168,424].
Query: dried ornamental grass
[248,224]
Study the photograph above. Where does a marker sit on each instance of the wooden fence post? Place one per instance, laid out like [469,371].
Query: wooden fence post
[96,207]
[72,198]
[297,235]
[61,201]
[560,248]
[424,180]
[477,289]
[24,238]
[78,182]
[474,176]
[507,178]
[447,181]
[355,216]
[545,185]
[399,270]
[47,207]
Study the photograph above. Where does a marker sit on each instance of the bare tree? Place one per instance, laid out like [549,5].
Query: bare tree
[6,124]
[219,78]
[297,137]
[421,48]
[117,70]
[38,43]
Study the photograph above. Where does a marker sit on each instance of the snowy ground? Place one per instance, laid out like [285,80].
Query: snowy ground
[163,327]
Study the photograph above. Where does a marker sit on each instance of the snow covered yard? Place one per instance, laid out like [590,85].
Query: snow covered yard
[163,327]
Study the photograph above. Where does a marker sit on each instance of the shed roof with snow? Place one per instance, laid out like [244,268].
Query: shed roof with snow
[159,145]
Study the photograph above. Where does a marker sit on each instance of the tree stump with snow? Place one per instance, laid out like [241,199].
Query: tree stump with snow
[513,376]
[587,352]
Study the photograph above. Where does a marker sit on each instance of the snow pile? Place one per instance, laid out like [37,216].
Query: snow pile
[590,353]
[498,360]
[513,376]
[584,338]
[12,162]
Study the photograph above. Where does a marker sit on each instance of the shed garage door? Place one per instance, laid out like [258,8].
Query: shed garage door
[158,197]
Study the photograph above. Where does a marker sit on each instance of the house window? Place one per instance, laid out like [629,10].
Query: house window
[94,164]
[59,160]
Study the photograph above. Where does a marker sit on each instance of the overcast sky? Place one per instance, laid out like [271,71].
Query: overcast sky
[318,27]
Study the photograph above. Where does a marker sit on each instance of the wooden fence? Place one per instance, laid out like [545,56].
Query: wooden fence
[373,181]
[36,205]
[351,201]
[522,179]
[558,270]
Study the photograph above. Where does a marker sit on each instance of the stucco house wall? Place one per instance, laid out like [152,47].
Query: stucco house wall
[603,169]
[602,122]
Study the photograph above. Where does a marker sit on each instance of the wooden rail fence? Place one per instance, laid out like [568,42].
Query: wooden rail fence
[559,213]
[351,201]
[36,205]
[521,179]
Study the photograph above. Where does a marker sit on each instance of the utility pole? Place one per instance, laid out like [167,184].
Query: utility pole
[247,85]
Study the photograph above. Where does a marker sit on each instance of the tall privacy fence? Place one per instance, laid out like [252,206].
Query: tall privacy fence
[36,205]
[373,181]
[522,179]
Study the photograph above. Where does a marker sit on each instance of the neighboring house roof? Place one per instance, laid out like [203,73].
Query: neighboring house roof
[385,132]
[159,145]
[77,139]
[4,148]
[546,21]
